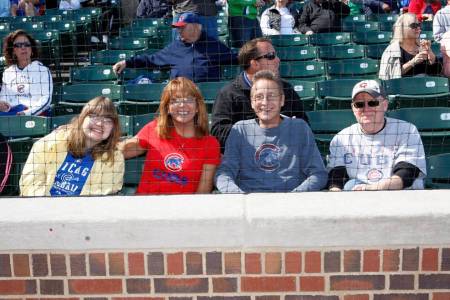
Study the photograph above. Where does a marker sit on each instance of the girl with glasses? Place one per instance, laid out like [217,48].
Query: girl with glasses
[27,84]
[80,158]
[181,156]
[407,55]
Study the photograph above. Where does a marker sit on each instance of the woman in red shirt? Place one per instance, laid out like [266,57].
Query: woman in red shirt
[181,155]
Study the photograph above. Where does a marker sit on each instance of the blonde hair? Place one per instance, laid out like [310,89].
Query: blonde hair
[184,87]
[76,145]
[399,27]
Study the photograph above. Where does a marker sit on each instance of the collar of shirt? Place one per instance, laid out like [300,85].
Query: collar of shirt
[247,80]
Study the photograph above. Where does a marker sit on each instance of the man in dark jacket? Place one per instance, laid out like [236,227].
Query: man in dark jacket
[322,16]
[233,100]
[195,56]
[153,9]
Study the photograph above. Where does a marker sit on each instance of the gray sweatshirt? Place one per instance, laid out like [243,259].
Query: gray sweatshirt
[280,159]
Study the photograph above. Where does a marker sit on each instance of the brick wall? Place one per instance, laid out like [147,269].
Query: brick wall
[421,273]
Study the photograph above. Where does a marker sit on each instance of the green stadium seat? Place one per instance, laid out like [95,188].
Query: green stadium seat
[68,37]
[386,26]
[20,149]
[27,26]
[427,26]
[356,18]
[209,91]
[418,92]
[47,18]
[140,98]
[139,32]
[140,121]
[154,22]
[330,38]
[5,28]
[128,43]
[335,94]
[427,35]
[360,26]
[230,71]
[50,48]
[289,40]
[438,171]
[433,124]
[297,53]
[339,52]
[133,171]
[372,37]
[303,70]
[57,121]
[307,92]
[110,57]
[436,48]
[155,75]
[387,17]
[24,126]
[326,123]
[364,68]
[92,74]
[375,51]
[126,125]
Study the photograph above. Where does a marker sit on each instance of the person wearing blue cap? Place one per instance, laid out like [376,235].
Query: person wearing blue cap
[195,55]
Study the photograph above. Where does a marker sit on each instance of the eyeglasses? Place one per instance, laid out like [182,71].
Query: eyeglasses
[105,120]
[268,56]
[272,97]
[415,25]
[180,101]
[22,45]
[371,103]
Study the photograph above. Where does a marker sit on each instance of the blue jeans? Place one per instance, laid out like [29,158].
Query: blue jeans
[243,29]
[209,26]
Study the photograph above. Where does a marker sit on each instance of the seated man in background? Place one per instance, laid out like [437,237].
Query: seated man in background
[377,153]
[233,100]
[195,56]
[322,16]
[272,153]
[27,8]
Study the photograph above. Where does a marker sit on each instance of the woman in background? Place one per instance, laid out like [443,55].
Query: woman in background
[181,155]
[80,158]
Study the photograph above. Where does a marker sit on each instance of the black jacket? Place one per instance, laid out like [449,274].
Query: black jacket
[233,104]
[324,17]
[153,9]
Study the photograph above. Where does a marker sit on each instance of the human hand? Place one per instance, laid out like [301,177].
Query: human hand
[118,67]
[21,113]
[309,32]
[260,3]
[335,189]
[386,7]
[427,17]
[4,106]
[360,187]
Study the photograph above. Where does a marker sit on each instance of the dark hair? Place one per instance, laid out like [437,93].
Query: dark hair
[268,75]
[250,51]
[8,46]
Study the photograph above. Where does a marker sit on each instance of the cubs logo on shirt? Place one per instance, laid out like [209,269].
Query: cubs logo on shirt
[21,88]
[374,175]
[267,157]
[174,162]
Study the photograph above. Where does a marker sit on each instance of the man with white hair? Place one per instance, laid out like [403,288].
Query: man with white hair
[376,153]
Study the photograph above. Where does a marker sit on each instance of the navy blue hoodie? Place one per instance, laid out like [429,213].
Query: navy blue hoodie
[199,61]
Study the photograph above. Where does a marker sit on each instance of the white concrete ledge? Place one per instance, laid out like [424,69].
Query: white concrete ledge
[227,221]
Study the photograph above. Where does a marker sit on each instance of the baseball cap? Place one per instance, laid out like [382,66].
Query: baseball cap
[371,87]
[185,19]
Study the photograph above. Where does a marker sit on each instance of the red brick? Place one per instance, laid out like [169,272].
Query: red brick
[430,259]
[445,259]
[371,261]
[138,285]
[21,265]
[194,263]
[233,263]
[97,264]
[434,281]
[40,267]
[293,262]
[136,265]
[332,262]
[441,296]
[224,285]
[175,264]
[17,287]
[58,264]
[401,282]
[52,298]
[310,297]
[273,263]
[214,263]
[312,283]
[181,285]
[116,264]
[391,260]
[352,261]
[252,263]
[95,286]
[5,265]
[78,265]
[137,298]
[155,263]
[268,284]
[312,262]
[401,297]
[267,297]
[410,261]
[51,287]
[356,282]
[356,297]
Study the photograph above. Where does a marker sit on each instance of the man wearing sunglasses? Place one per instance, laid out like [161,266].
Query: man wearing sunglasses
[376,153]
[233,100]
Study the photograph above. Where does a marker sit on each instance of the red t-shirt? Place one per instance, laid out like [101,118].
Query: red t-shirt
[174,166]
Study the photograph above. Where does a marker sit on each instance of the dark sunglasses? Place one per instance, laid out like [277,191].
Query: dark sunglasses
[22,45]
[414,25]
[371,103]
[269,56]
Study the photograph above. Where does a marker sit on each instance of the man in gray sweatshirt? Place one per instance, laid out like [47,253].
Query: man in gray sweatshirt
[272,153]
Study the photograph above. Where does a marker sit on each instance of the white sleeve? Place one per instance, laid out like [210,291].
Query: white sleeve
[411,150]
[41,91]
[337,149]
[264,23]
